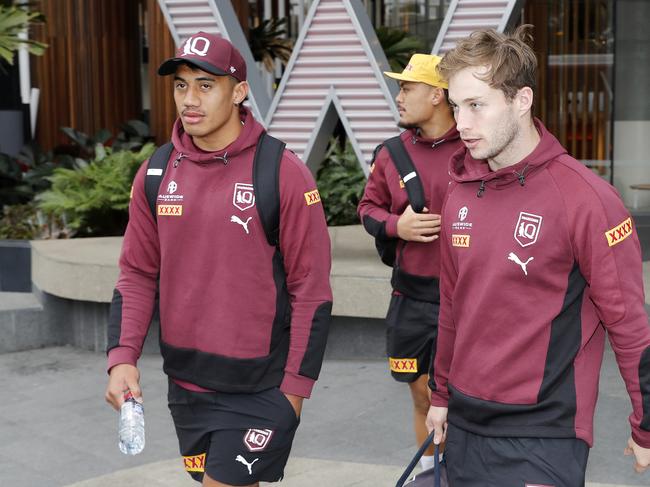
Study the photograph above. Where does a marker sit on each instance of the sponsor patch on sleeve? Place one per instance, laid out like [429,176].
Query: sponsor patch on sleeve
[195,463]
[403,365]
[619,233]
[460,240]
[170,210]
[312,197]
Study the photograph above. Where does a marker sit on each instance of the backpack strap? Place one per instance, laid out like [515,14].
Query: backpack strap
[155,173]
[266,185]
[407,172]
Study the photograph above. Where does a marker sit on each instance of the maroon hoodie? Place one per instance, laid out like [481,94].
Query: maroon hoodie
[539,261]
[384,200]
[236,314]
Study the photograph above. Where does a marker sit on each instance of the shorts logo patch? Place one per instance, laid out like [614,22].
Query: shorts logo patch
[312,197]
[403,365]
[244,196]
[460,240]
[527,228]
[618,234]
[195,463]
[257,440]
[170,210]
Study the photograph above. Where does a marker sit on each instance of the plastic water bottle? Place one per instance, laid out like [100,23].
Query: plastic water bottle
[131,427]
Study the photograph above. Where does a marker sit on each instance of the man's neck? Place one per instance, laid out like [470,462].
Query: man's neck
[438,125]
[523,144]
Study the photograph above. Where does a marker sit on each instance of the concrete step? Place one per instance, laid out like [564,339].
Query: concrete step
[23,323]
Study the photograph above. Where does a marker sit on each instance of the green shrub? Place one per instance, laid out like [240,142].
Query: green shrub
[340,183]
[93,200]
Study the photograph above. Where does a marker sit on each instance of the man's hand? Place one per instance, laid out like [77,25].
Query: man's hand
[296,402]
[641,455]
[437,420]
[418,227]
[122,378]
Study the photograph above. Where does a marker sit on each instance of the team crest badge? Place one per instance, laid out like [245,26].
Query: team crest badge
[256,439]
[527,228]
[244,196]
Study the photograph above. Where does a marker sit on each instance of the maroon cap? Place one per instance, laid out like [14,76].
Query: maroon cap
[209,52]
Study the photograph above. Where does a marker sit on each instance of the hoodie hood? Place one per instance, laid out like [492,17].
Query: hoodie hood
[248,137]
[414,137]
[463,168]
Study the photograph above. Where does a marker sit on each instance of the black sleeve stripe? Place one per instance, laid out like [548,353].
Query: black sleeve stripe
[375,228]
[320,327]
[644,382]
[114,329]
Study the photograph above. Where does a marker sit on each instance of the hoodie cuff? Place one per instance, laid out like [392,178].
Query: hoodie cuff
[121,355]
[391,226]
[439,400]
[643,440]
[297,385]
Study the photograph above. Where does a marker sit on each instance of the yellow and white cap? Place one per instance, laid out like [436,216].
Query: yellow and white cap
[422,68]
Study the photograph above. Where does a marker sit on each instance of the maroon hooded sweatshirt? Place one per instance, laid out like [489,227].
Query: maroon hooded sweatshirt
[417,266]
[236,314]
[539,261]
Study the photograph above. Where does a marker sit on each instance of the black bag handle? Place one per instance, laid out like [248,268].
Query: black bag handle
[407,172]
[416,459]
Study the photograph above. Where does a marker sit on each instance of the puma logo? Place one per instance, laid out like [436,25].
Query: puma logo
[513,257]
[235,219]
[249,466]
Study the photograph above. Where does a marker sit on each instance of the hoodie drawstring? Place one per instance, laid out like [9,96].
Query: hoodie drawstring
[437,143]
[522,176]
[224,158]
[481,189]
[177,161]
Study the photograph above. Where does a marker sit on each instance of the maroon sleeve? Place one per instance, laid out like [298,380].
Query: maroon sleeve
[446,326]
[305,248]
[134,295]
[609,255]
[374,207]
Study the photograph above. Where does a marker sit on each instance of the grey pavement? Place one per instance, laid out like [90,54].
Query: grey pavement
[56,430]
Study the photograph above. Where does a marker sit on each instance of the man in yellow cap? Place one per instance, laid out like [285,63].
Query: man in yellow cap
[406,231]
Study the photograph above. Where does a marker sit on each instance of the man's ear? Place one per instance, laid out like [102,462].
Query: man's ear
[524,99]
[437,96]
[240,92]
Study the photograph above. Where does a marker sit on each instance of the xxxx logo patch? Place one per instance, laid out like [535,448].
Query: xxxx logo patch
[618,234]
[405,365]
[194,463]
[460,240]
[170,210]
[312,197]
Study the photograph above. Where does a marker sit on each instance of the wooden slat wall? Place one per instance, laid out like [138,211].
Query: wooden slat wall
[572,100]
[161,47]
[89,77]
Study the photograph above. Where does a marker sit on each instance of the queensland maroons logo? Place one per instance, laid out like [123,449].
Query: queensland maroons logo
[244,196]
[527,228]
[257,439]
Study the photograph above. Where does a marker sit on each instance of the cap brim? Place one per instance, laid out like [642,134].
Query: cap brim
[404,77]
[400,76]
[170,66]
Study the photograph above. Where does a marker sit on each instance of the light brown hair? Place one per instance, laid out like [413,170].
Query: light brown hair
[510,58]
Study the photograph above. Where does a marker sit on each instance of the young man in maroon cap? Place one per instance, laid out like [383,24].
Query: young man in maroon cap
[430,139]
[243,323]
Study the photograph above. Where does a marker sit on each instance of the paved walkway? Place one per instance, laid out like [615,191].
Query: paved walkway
[56,430]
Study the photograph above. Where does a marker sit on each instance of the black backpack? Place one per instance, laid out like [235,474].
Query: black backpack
[387,247]
[266,182]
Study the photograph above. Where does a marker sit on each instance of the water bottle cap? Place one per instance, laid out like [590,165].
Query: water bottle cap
[128,395]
